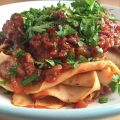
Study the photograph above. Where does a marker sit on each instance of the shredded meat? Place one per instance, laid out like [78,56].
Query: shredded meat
[4,68]
[13,29]
[41,47]
[49,45]
[27,63]
[109,34]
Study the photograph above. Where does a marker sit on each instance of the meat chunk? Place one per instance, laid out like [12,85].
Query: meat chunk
[13,29]
[109,34]
[27,63]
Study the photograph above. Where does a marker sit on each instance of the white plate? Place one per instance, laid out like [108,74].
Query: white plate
[94,110]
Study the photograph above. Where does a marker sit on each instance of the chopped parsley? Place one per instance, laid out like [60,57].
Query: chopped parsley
[99,50]
[51,62]
[1,33]
[93,59]
[41,28]
[82,59]
[82,18]
[80,43]
[19,53]
[29,79]
[112,17]
[89,29]
[115,84]
[36,29]
[88,13]
[71,60]
[39,64]
[65,31]
[12,72]
[103,100]
[2,82]
[38,20]
[88,7]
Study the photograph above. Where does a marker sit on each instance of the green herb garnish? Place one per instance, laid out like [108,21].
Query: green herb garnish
[93,59]
[39,64]
[36,29]
[103,100]
[1,33]
[112,17]
[100,50]
[42,28]
[19,53]
[86,7]
[29,79]
[115,84]
[52,62]
[65,31]
[89,29]
[71,58]
[12,72]
[88,13]
[82,59]
[2,82]
[57,61]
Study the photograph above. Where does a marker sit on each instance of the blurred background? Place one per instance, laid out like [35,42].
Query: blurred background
[112,2]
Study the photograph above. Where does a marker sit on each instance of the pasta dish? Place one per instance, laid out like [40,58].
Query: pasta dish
[54,57]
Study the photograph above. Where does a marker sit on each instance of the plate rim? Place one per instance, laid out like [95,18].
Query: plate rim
[61,114]
[13,111]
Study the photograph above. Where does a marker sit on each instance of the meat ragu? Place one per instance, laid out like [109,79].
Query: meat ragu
[50,46]
[47,42]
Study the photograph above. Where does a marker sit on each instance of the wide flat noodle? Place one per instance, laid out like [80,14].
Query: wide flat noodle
[82,68]
[22,100]
[114,56]
[105,76]
[4,57]
[26,101]
[70,94]
[5,85]
[49,103]
[113,67]
[83,80]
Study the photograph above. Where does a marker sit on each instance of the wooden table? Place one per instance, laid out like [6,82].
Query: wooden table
[111,2]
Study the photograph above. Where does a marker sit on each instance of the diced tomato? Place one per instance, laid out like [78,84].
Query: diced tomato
[106,46]
[38,106]
[118,29]
[57,68]
[81,104]
[30,106]
[50,80]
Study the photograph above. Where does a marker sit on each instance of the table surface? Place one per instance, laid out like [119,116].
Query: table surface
[111,2]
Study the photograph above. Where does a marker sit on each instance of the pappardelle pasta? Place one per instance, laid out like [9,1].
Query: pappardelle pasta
[54,57]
